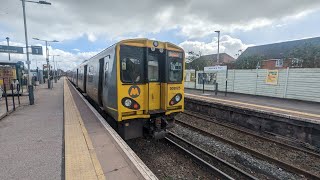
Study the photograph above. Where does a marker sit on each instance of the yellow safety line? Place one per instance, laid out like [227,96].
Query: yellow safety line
[255,105]
[81,161]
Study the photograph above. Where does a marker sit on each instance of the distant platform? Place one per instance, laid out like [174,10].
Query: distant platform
[294,108]
[283,118]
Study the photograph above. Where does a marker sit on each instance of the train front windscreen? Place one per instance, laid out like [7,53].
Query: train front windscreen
[142,65]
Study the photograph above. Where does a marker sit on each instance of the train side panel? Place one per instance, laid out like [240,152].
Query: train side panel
[82,77]
[93,79]
[109,87]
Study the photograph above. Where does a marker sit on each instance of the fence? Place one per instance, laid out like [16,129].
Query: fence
[11,93]
[301,84]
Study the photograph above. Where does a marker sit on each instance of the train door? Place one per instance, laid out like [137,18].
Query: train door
[77,77]
[154,56]
[85,78]
[106,81]
[100,84]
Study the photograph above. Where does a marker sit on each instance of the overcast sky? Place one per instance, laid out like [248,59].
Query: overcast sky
[85,27]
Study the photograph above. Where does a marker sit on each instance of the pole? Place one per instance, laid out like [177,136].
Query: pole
[8,45]
[12,93]
[54,70]
[225,94]
[203,82]
[218,55]
[26,37]
[5,94]
[48,67]
[18,90]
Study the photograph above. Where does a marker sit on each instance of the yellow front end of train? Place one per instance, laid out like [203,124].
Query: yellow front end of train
[150,86]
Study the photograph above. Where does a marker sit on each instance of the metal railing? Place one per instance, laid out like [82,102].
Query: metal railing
[15,91]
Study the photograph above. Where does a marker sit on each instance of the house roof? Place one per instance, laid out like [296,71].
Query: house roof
[278,50]
[212,57]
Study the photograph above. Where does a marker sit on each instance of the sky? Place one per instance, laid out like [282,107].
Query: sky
[84,28]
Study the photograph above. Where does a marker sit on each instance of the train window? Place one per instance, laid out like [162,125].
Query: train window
[132,64]
[106,69]
[153,64]
[175,66]
[90,74]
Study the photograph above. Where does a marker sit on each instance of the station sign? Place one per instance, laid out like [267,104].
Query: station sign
[215,68]
[36,50]
[11,49]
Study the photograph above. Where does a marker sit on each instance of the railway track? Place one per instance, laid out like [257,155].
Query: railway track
[284,165]
[221,168]
[208,119]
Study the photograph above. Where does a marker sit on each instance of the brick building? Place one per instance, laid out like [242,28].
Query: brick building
[275,54]
[210,60]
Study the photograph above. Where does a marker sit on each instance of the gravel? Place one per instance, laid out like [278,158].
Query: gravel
[298,158]
[166,161]
[260,168]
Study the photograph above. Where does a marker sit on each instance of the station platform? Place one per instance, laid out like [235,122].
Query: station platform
[293,120]
[63,137]
[302,110]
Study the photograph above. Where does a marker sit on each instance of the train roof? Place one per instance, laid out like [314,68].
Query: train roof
[138,40]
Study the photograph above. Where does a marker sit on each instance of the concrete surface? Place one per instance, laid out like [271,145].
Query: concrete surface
[290,104]
[80,156]
[115,164]
[31,138]
[112,162]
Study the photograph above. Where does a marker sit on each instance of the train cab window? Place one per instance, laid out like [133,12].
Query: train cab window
[154,55]
[175,62]
[132,64]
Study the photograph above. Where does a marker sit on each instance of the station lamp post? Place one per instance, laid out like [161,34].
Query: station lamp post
[25,30]
[8,45]
[218,55]
[54,65]
[47,58]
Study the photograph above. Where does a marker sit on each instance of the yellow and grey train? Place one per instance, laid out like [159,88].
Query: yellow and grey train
[139,84]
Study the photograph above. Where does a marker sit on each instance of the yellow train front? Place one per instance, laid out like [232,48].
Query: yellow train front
[139,83]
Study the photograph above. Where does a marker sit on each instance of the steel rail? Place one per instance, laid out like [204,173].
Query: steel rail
[208,119]
[284,165]
[236,170]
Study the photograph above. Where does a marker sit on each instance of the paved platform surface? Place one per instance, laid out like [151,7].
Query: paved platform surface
[301,109]
[113,158]
[63,137]
[31,138]
[80,157]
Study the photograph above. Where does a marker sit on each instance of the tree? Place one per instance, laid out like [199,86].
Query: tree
[248,62]
[309,54]
[192,56]
[190,63]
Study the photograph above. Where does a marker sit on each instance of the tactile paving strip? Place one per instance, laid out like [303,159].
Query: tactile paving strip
[80,159]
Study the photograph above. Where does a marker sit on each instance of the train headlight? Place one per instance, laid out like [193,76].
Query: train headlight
[177,98]
[130,103]
[127,102]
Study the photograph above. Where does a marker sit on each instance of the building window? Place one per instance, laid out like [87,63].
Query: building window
[279,63]
[295,62]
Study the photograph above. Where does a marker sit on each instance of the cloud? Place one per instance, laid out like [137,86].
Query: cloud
[228,45]
[65,60]
[98,19]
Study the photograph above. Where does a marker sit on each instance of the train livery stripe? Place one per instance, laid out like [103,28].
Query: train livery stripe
[291,112]
[80,158]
